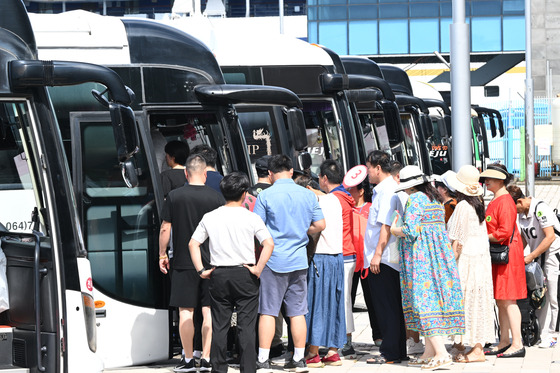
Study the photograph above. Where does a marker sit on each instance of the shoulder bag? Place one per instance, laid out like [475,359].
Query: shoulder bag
[499,254]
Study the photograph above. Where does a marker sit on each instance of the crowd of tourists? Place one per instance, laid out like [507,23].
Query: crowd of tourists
[433,262]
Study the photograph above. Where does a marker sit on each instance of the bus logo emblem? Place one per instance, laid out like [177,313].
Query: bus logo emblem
[89,285]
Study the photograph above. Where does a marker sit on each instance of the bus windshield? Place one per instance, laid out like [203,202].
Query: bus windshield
[410,138]
[323,137]
[260,132]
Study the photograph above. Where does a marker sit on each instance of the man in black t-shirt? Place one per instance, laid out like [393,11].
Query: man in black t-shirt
[263,182]
[210,156]
[183,209]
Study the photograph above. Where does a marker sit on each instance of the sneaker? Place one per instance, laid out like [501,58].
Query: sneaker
[348,351]
[205,365]
[333,360]
[414,348]
[314,362]
[296,366]
[264,367]
[548,343]
[185,367]
[283,359]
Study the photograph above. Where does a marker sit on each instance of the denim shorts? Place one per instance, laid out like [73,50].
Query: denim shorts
[288,288]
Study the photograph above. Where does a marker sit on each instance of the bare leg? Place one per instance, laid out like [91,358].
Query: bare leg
[513,315]
[429,350]
[313,351]
[438,346]
[186,330]
[504,323]
[206,332]
[299,330]
[267,326]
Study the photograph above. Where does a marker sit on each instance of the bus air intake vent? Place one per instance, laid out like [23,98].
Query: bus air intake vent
[20,352]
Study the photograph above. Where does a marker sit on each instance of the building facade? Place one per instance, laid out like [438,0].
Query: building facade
[413,27]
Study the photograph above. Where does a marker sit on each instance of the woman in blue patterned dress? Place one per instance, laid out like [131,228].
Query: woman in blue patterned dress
[430,283]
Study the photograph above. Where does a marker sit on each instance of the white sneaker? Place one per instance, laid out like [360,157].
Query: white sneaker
[414,348]
[548,343]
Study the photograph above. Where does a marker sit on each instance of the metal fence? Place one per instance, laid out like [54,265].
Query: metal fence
[507,149]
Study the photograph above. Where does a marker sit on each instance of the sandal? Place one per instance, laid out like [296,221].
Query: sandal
[381,360]
[438,364]
[419,361]
[461,358]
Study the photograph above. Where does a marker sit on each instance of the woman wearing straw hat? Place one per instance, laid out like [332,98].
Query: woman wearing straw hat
[430,284]
[509,279]
[469,239]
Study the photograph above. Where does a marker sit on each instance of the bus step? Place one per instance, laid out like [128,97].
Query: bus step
[13,369]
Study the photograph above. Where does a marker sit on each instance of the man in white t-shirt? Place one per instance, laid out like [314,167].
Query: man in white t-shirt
[538,224]
[234,276]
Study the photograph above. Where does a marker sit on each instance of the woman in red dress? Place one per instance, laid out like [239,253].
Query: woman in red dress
[509,279]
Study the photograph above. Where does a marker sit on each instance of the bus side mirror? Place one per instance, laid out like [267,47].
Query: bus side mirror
[304,161]
[124,130]
[296,125]
[129,174]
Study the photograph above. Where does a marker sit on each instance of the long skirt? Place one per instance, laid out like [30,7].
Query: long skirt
[326,324]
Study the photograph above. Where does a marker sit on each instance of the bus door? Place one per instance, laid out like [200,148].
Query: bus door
[121,233]
[324,135]
[32,276]
[193,127]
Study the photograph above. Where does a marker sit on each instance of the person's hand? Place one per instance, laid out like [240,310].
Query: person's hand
[374,265]
[254,270]
[206,274]
[164,264]
[528,259]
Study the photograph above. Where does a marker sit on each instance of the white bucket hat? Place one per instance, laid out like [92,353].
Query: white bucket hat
[444,178]
[466,181]
[411,176]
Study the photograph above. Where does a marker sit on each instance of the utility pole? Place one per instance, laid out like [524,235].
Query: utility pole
[529,110]
[460,86]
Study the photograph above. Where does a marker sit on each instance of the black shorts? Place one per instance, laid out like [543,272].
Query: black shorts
[188,290]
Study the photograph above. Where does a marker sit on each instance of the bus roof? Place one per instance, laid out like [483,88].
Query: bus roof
[237,48]
[81,36]
[113,41]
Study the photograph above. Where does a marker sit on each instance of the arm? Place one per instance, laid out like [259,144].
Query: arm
[549,238]
[164,234]
[196,257]
[505,225]
[268,246]
[384,235]
[316,227]
[457,248]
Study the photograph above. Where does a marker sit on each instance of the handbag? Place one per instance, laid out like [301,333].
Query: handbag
[499,254]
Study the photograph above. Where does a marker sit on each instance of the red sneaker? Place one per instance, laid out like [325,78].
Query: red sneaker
[314,362]
[333,360]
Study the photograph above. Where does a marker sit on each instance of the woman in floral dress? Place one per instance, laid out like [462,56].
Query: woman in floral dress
[430,284]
